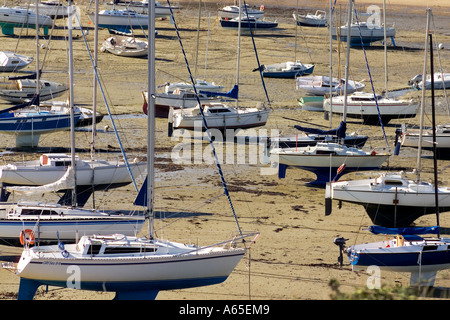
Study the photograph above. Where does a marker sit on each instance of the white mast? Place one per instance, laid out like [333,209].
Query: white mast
[151,118]
[422,103]
[349,24]
[72,115]
[238,50]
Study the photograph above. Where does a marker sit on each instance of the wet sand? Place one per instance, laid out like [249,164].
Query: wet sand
[294,256]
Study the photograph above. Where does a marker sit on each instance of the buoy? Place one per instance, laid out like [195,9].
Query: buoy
[341,168]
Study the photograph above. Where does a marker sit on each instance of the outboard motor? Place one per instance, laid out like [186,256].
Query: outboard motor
[341,243]
[397,143]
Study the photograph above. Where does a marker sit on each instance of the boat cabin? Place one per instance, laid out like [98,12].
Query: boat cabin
[111,245]
[56,160]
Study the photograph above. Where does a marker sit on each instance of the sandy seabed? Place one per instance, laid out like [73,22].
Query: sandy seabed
[294,257]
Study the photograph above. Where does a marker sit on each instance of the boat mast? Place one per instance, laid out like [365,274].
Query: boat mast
[331,62]
[347,66]
[94,101]
[385,51]
[422,103]
[433,116]
[72,115]
[238,50]
[37,50]
[151,119]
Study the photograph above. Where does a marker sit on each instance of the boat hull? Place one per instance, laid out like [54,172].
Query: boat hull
[69,229]
[326,166]
[408,258]
[312,140]
[36,124]
[145,275]
[442,143]
[368,112]
[391,207]
[287,74]
[235,121]
[91,174]
[247,25]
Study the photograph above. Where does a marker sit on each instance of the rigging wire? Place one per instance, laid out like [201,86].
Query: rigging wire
[205,123]
[256,53]
[107,107]
[370,75]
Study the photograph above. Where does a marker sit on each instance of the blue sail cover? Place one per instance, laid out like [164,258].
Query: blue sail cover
[339,131]
[33,101]
[233,93]
[404,231]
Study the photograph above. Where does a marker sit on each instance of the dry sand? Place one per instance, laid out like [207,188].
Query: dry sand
[294,257]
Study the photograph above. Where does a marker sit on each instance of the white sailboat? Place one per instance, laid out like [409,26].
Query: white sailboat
[391,199]
[321,85]
[365,106]
[161,11]
[441,81]
[328,161]
[134,268]
[51,8]
[22,90]
[15,17]
[219,116]
[11,61]
[370,107]
[411,139]
[318,19]
[125,46]
[232,11]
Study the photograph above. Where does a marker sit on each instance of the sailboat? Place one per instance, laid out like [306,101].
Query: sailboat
[134,268]
[53,9]
[125,46]
[319,19]
[365,106]
[408,251]
[441,81]
[328,161]
[121,20]
[177,99]
[391,199]
[234,11]
[321,85]
[411,139]
[20,90]
[161,11]
[370,107]
[15,17]
[11,61]
[311,136]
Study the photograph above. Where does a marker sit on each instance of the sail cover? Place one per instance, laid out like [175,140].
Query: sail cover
[233,93]
[404,231]
[339,131]
[67,181]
